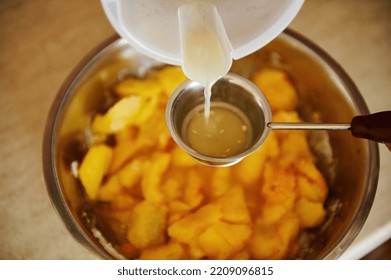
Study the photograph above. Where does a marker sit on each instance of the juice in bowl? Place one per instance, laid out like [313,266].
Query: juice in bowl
[167,205]
[124,188]
[104,224]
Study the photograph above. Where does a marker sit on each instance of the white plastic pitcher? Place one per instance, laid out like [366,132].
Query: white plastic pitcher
[153,27]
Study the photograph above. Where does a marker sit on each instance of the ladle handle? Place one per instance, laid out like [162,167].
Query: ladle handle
[308,126]
[376,127]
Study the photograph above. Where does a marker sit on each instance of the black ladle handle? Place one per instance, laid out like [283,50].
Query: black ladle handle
[376,127]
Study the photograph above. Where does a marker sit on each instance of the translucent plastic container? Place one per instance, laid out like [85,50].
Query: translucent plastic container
[153,26]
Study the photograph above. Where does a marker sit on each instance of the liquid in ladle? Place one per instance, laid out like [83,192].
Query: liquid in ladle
[227,132]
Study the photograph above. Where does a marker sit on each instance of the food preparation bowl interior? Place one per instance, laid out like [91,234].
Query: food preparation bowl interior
[350,165]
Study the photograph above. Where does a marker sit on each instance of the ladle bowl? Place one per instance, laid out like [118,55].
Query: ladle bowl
[248,99]
[231,89]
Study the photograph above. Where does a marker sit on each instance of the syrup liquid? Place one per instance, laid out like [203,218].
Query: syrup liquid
[227,132]
[223,131]
[205,48]
[204,62]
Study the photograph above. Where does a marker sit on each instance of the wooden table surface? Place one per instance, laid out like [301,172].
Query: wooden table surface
[40,43]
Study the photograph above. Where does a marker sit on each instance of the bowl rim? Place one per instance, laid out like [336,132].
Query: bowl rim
[58,199]
[371,180]
[53,187]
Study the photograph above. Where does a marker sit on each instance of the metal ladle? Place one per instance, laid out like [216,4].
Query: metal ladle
[248,98]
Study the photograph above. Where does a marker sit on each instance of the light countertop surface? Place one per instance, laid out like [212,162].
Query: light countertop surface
[42,41]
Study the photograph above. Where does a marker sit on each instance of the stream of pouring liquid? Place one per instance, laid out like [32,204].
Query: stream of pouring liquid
[204,61]
[224,131]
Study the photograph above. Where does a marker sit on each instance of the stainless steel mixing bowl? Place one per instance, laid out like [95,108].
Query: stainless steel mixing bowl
[351,165]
